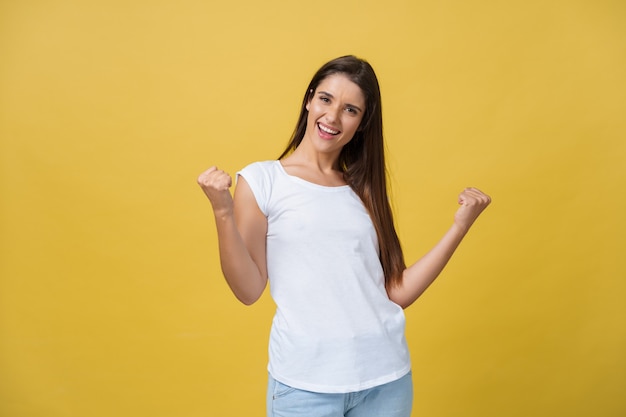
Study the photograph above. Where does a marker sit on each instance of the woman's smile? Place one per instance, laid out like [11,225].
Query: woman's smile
[326,132]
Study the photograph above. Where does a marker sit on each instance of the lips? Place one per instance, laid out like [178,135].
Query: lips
[326,131]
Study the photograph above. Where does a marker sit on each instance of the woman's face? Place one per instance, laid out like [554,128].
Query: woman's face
[335,111]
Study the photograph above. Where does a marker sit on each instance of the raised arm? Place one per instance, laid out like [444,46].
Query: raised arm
[418,277]
[241,232]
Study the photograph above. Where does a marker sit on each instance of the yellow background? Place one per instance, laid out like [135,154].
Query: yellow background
[111,298]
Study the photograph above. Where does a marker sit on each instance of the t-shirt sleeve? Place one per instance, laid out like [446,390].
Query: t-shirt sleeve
[258,178]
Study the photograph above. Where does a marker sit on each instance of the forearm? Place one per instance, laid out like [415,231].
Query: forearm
[242,274]
[420,275]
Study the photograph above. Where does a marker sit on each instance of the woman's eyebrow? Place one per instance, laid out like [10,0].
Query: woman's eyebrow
[326,93]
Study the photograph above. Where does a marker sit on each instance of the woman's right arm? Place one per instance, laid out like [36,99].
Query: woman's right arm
[241,232]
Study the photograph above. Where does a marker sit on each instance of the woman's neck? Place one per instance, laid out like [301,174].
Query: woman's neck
[314,167]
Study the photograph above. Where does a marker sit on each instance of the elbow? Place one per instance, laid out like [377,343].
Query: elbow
[248,296]
[402,295]
[407,300]
[404,304]
[247,300]
[397,298]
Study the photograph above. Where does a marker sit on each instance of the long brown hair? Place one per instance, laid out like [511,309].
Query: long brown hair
[363,158]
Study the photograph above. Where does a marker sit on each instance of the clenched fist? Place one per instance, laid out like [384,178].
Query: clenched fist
[216,184]
[473,202]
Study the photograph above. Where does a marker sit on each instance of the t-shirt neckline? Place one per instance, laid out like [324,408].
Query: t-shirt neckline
[309,183]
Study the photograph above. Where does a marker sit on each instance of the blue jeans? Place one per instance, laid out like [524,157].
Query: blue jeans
[394,399]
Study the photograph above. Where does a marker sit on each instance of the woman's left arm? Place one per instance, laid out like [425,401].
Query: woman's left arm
[418,277]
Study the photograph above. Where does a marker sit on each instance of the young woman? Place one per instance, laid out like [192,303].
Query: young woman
[318,225]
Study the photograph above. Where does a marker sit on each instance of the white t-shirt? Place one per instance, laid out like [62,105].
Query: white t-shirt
[335,329]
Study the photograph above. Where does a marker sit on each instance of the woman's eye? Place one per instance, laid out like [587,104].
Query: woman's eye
[325,99]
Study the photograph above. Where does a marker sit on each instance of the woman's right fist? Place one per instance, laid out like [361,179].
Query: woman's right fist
[216,183]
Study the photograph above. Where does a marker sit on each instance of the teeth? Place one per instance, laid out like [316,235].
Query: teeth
[328,130]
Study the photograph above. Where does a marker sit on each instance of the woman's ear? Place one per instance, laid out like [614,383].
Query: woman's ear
[308,99]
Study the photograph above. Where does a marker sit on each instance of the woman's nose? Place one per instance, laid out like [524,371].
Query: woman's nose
[333,113]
